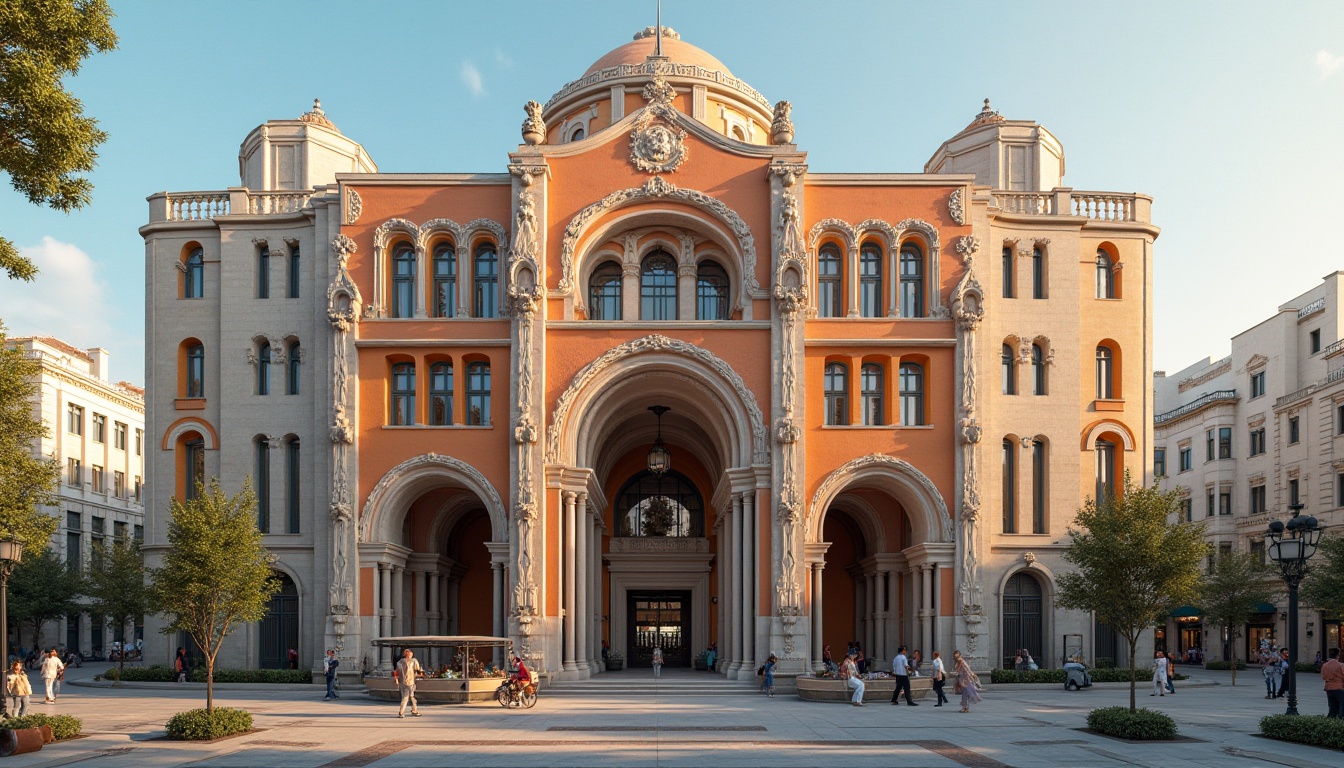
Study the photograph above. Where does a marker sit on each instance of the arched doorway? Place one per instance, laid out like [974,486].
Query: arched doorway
[280,627]
[1023,617]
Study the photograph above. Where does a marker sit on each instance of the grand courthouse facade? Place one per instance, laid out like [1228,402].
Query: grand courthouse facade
[883,396]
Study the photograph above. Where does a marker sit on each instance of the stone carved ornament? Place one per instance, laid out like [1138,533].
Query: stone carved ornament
[343,307]
[781,127]
[656,343]
[658,143]
[659,188]
[968,310]
[955,207]
[842,474]
[534,126]
[354,206]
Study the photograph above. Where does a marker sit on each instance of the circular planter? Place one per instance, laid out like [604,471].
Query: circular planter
[837,691]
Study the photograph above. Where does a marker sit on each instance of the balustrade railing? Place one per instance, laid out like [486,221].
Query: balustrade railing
[1103,206]
[277,202]
[203,206]
[1293,397]
[1064,201]
[197,206]
[1194,405]
[1029,203]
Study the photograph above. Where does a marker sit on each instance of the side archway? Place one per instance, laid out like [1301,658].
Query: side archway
[383,512]
[928,510]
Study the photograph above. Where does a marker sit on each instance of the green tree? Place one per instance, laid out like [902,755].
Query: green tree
[117,586]
[1133,566]
[1323,587]
[27,481]
[46,141]
[43,589]
[216,574]
[1231,591]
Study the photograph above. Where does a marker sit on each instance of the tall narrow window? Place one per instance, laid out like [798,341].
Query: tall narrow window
[263,483]
[711,292]
[193,284]
[263,272]
[1009,268]
[836,389]
[1104,371]
[912,394]
[294,271]
[1009,486]
[1294,430]
[445,280]
[872,384]
[1037,274]
[605,292]
[1294,492]
[658,287]
[1037,370]
[264,369]
[196,371]
[441,394]
[295,368]
[478,394]
[1105,470]
[487,280]
[1224,442]
[403,281]
[1208,445]
[1008,369]
[195,464]
[870,281]
[292,485]
[829,282]
[1105,276]
[912,281]
[1039,492]
[403,394]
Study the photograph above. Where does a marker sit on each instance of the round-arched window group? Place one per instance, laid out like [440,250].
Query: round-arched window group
[659,290]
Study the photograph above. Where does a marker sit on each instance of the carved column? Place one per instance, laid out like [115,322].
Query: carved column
[463,287]
[880,614]
[738,571]
[629,279]
[385,611]
[580,621]
[398,599]
[967,307]
[926,604]
[570,521]
[435,613]
[421,278]
[818,625]
[343,313]
[751,564]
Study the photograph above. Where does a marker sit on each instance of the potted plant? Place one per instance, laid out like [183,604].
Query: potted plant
[615,661]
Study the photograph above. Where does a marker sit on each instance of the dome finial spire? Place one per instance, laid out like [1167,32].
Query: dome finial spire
[658,31]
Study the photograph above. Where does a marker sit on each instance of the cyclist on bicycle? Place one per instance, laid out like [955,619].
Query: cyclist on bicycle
[519,680]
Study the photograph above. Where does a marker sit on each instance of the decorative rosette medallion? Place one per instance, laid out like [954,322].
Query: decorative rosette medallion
[657,145]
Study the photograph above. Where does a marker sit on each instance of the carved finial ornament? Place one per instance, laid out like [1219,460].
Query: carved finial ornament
[534,127]
[316,116]
[781,128]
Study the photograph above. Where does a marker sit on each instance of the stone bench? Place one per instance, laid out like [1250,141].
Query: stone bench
[876,690]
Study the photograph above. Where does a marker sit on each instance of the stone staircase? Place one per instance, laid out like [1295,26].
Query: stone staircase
[641,682]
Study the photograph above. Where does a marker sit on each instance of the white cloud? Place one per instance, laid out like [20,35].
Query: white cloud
[1328,62]
[471,77]
[502,58]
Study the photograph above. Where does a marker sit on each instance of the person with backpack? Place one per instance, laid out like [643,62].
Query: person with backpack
[769,672]
[329,666]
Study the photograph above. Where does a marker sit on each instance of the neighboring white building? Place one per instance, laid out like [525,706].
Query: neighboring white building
[96,430]
[1247,436]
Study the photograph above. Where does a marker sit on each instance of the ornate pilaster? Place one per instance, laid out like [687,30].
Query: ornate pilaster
[968,310]
[343,313]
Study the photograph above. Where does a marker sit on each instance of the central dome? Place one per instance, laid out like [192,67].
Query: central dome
[642,47]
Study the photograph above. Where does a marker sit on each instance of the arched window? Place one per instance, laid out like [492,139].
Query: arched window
[871,383]
[1105,387]
[1037,370]
[1105,276]
[605,292]
[292,485]
[294,271]
[295,368]
[660,505]
[711,292]
[445,280]
[870,281]
[1009,485]
[403,281]
[403,394]
[830,276]
[478,394]
[912,281]
[577,135]
[1039,489]
[1009,270]
[1009,367]
[912,394]
[836,388]
[1037,274]
[658,287]
[263,272]
[195,466]
[487,281]
[193,283]
[1105,451]
[264,368]
[196,371]
[262,481]
[441,394]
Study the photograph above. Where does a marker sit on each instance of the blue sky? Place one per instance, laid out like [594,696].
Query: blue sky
[1228,113]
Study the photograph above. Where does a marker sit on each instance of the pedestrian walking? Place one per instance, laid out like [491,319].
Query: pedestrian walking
[1332,672]
[657,662]
[293,658]
[1159,674]
[329,665]
[900,669]
[18,689]
[967,684]
[408,669]
[770,665]
[939,678]
[712,657]
[1283,673]
[51,669]
[180,665]
[1171,673]
[849,672]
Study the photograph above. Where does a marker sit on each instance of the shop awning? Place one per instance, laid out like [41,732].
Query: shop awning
[1265,608]
[1184,611]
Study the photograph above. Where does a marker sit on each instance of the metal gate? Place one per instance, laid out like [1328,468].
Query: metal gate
[663,620]
[1022,620]
[280,628]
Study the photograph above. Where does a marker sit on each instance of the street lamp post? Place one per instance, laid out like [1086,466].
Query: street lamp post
[1291,546]
[11,552]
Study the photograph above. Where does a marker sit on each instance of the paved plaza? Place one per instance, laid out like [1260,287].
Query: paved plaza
[723,725]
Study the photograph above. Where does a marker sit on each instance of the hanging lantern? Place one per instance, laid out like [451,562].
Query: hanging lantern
[660,459]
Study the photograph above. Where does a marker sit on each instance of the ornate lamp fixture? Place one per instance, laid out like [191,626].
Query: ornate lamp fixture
[660,459]
[1291,546]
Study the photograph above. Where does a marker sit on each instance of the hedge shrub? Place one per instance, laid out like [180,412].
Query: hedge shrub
[1316,730]
[1307,666]
[62,726]
[1140,725]
[1224,665]
[1057,676]
[200,724]
[161,674]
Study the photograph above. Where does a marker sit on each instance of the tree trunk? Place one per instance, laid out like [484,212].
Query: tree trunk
[1133,672]
[210,683]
